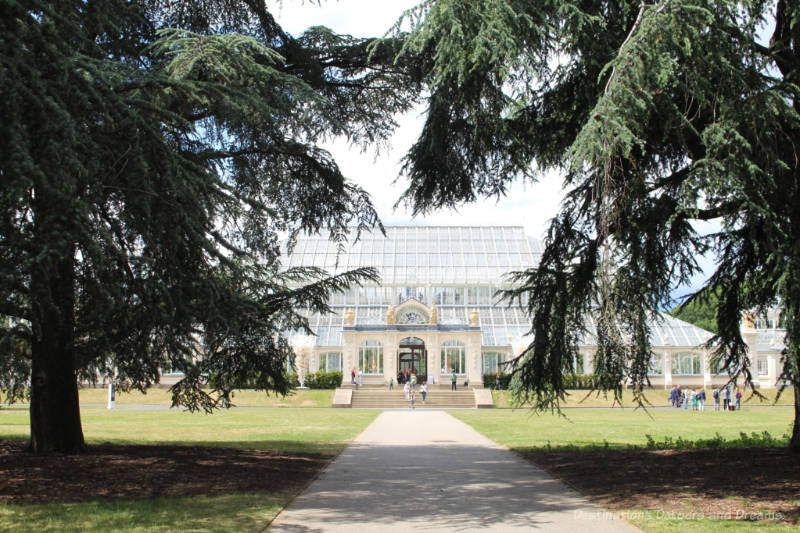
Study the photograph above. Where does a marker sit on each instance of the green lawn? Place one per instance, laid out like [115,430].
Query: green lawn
[230,512]
[241,398]
[656,397]
[521,429]
[294,430]
[325,431]
[675,523]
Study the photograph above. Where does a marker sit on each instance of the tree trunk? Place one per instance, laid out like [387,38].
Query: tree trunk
[55,410]
[794,443]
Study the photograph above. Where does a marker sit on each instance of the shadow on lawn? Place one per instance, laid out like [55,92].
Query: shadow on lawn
[135,472]
[751,473]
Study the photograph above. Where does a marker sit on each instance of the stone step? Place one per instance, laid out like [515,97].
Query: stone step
[397,399]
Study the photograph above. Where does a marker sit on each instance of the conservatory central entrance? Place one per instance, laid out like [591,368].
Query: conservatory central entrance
[413,357]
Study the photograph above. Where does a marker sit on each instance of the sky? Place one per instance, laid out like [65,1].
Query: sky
[528,205]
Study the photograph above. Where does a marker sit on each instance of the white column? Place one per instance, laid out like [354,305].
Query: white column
[588,360]
[706,361]
[750,336]
[389,357]
[433,347]
[667,369]
[773,368]
[473,356]
[349,355]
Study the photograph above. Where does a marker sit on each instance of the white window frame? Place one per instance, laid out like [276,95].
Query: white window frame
[453,356]
[368,350]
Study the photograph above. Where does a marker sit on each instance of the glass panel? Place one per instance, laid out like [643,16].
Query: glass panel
[453,358]
[458,296]
[490,363]
[657,365]
[472,296]
[370,357]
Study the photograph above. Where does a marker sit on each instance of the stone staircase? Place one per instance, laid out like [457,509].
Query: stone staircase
[438,398]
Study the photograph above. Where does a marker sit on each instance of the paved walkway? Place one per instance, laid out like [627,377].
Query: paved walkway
[427,471]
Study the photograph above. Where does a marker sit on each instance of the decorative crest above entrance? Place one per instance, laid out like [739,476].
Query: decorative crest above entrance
[412,311]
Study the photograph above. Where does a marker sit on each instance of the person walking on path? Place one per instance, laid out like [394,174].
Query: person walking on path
[678,397]
[738,399]
[391,383]
[715,394]
[406,389]
[411,400]
[353,376]
[701,400]
[360,377]
[424,391]
[672,395]
[413,381]
[686,399]
[453,381]
[726,399]
[694,400]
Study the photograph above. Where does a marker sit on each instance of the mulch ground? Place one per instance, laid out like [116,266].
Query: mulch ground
[134,472]
[738,483]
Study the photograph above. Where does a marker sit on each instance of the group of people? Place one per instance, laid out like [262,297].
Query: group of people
[409,381]
[696,400]
[404,376]
[353,377]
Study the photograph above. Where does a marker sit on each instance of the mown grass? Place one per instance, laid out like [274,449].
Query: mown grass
[521,429]
[655,397]
[326,431]
[662,522]
[229,512]
[591,429]
[241,398]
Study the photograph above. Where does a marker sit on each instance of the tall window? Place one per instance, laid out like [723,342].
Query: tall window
[370,357]
[686,364]
[330,362]
[453,358]
[762,365]
[491,362]
[656,365]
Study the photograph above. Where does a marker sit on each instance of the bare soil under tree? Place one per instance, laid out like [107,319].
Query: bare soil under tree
[136,472]
[726,482]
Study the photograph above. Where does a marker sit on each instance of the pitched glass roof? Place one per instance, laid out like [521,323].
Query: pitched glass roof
[433,264]
[426,254]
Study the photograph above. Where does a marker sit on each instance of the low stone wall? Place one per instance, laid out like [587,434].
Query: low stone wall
[483,398]
[343,398]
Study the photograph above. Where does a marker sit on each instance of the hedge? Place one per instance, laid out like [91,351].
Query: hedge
[319,380]
[490,380]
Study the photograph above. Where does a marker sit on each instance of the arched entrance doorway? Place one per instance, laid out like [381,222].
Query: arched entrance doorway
[413,357]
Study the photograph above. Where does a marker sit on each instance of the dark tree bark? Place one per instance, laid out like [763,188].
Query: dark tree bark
[55,411]
[794,443]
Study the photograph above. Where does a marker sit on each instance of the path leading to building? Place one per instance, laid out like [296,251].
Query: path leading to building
[427,471]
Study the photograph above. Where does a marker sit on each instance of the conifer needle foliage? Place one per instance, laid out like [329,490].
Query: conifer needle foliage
[151,155]
[659,114]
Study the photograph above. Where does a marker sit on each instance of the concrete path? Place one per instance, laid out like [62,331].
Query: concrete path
[427,471]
